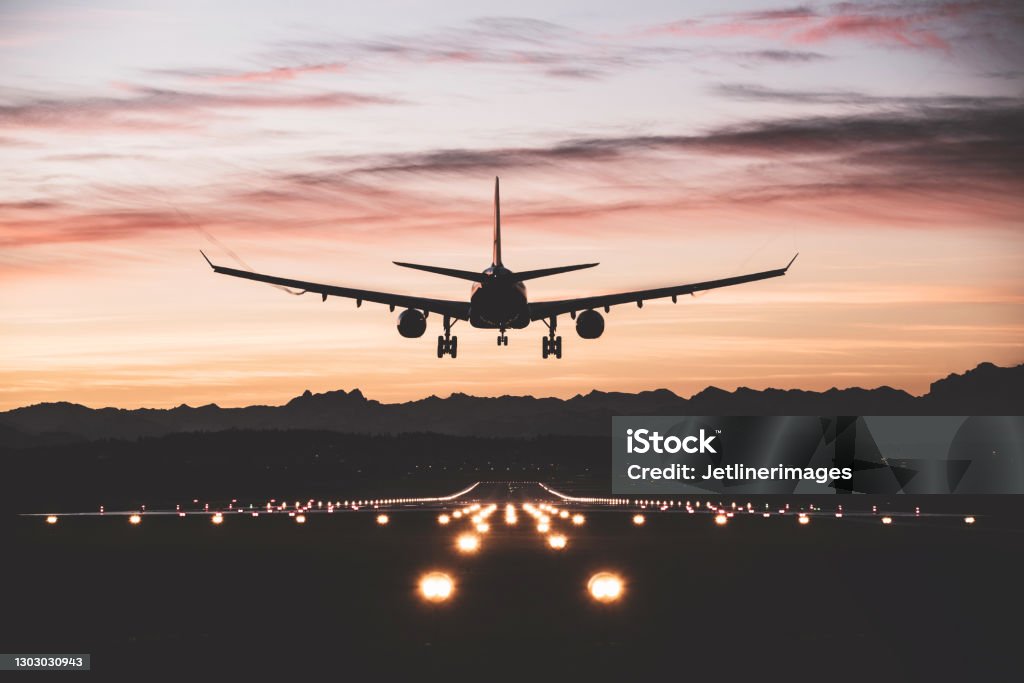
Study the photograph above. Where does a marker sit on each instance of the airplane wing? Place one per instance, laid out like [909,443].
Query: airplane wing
[455,309]
[545,309]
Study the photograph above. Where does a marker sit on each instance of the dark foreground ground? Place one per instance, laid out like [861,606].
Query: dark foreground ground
[836,600]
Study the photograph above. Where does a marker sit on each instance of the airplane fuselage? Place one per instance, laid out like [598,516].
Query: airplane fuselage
[499,301]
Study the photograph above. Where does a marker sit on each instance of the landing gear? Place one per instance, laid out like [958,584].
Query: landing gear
[447,344]
[551,345]
[502,338]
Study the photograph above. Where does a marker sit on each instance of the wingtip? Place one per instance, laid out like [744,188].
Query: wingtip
[207,259]
[791,260]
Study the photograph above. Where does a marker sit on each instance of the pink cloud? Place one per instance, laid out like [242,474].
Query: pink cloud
[916,27]
[281,73]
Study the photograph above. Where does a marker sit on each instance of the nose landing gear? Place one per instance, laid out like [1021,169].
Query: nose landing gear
[447,344]
[551,345]
[502,338]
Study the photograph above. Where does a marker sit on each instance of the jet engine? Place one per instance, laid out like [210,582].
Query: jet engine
[411,323]
[590,324]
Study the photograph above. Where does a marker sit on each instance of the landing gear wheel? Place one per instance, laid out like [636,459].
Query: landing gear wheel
[502,339]
[440,347]
[544,347]
[453,348]
[558,347]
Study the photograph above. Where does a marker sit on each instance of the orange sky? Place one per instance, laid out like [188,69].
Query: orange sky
[889,160]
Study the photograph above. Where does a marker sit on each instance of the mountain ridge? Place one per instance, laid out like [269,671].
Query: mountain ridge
[985,389]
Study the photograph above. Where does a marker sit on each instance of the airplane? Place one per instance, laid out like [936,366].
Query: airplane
[498,298]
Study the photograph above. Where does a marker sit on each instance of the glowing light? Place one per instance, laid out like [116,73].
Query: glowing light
[886,520]
[443,519]
[803,519]
[639,520]
[483,527]
[543,527]
[721,520]
[457,514]
[605,587]
[135,519]
[578,519]
[436,587]
[969,520]
[557,541]
[51,519]
[300,519]
[564,514]
[382,519]
[467,543]
[217,518]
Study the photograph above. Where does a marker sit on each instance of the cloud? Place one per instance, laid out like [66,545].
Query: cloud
[150,109]
[935,135]
[928,26]
[271,74]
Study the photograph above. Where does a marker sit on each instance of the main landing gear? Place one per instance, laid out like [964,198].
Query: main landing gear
[447,344]
[502,338]
[551,344]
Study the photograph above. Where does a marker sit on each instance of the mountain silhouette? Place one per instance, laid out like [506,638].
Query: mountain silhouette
[985,390]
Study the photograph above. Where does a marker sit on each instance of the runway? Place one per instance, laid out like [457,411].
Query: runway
[268,594]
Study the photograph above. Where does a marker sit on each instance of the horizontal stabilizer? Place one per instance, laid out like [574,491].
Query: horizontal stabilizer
[450,272]
[544,272]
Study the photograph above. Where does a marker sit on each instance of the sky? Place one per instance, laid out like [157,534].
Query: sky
[672,142]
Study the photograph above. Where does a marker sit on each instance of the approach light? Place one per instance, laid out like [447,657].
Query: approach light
[51,519]
[443,519]
[382,519]
[721,519]
[639,520]
[436,587]
[605,587]
[557,541]
[135,519]
[217,518]
[578,519]
[467,543]
[300,519]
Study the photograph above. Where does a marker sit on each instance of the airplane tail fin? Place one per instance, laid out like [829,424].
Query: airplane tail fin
[496,258]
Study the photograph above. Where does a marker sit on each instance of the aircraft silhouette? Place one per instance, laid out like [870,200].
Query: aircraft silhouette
[498,298]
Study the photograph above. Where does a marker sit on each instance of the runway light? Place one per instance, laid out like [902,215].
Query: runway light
[557,541]
[543,527]
[968,520]
[564,514]
[217,518]
[578,519]
[887,520]
[483,527]
[382,519]
[436,587]
[443,519]
[300,519]
[721,520]
[135,519]
[52,519]
[605,587]
[457,514]
[803,519]
[639,520]
[467,543]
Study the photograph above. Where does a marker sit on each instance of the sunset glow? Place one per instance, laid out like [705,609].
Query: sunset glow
[323,144]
